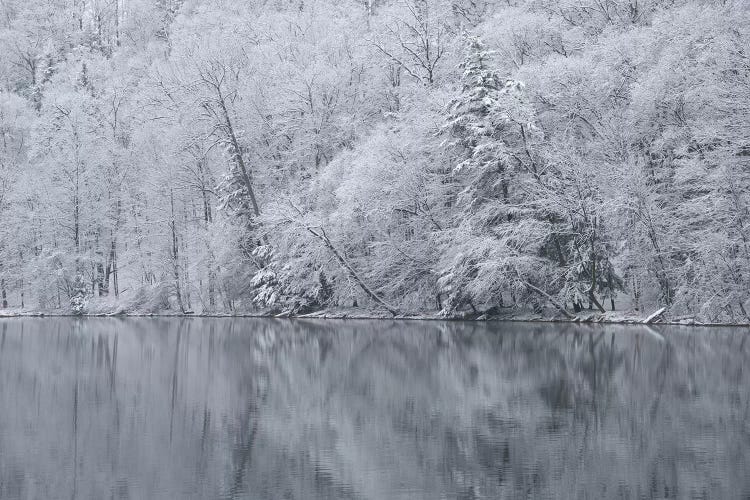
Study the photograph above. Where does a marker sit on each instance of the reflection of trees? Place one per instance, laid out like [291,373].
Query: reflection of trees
[523,411]
[355,409]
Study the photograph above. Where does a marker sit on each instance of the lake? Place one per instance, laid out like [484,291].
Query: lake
[165,408]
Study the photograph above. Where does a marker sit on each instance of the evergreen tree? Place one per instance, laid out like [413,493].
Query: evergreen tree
[490,126]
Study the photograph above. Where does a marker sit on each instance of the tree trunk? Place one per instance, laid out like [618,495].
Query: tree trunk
[549,298]
[110,270]
[117,23]
[237,154]
[211,287]
[592,297]
[102,271]
[321,235]
[102,285]
[653,317]
[186,266]
[175,255]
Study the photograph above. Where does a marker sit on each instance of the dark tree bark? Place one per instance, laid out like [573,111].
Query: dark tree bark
[321,235]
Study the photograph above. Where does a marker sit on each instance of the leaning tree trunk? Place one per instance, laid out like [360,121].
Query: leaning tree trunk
[175,255]
[551,299]
[592,296]
[236,152]
[321,235]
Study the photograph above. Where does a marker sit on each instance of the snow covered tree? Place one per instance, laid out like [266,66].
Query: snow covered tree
[227,156]
[490,123]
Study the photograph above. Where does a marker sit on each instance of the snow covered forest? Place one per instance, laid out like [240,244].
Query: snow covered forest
[454,157]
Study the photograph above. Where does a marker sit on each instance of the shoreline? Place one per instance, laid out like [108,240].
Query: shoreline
[329,315]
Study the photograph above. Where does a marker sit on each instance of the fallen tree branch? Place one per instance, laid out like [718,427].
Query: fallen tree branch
[654,316]
[549,298]
[321,235]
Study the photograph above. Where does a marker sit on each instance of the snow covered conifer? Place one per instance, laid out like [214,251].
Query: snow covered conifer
[78,295]
[489,124]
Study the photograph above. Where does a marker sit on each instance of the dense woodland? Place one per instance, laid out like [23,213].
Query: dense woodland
[414,156]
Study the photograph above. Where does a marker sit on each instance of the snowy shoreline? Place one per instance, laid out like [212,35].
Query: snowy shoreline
[372,315]
[419,159]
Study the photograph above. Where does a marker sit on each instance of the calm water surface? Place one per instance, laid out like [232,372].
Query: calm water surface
[245,408]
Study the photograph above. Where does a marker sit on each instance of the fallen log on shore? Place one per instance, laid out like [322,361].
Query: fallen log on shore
[654,316]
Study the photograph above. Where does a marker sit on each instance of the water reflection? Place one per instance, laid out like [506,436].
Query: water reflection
[222,408]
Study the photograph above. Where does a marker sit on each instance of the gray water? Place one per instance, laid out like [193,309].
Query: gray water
[246,408]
